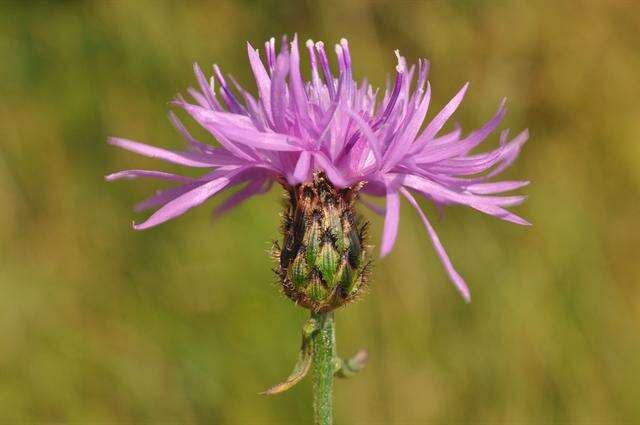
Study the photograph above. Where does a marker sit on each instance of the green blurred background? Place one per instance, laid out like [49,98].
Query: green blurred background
[183,323]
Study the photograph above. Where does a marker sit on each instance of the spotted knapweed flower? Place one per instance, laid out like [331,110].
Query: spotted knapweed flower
[328,140]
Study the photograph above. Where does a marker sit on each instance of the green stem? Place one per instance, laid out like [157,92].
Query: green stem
[324,353]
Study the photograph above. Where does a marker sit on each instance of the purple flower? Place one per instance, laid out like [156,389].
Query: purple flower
[335,125]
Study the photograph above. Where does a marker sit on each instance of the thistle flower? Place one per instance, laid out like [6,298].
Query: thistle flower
[330,132]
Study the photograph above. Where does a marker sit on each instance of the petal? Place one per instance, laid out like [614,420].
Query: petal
[511,152]
[134,174]
[279,91]
[335,175]
[457,280]
[437,152]
[240,129]
[441,118]
[501,213]
[195,112]
[177,124]
[253,188]
[301,171]
[161,197]
[391,100]
[326,70]
[198,97]
[419,145]
[498,187]
[433,189]
[297,85]
[188,200]
[262,78]
[391,221]
[403,142]
[190,159]
[468,165]
[227,95]
[205,87]
[370,137]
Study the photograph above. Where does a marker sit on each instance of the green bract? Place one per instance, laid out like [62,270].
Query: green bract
[323,258]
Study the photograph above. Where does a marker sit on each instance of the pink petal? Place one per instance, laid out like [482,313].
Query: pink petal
[186,201]
[301,171]
[297,85]
[391,221]
[501,213]
[511,152]
[279,91]
[190,159]
[335,176]
[161,197]
[198,97]
[436,190]
[240,129]
[403,142]
[437,152]
[441,118]
[187,136]
[133,174]
[205,87]
[457,280]
[370,137]
[253,188]
[262,78]
[498,187]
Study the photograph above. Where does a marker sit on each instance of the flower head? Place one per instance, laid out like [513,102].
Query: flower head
[353,134]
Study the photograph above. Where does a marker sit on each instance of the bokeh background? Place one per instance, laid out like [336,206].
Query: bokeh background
[183,323]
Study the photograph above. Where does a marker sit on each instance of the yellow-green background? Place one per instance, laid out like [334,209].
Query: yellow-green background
[183,323]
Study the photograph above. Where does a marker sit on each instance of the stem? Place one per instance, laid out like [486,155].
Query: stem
[324,352]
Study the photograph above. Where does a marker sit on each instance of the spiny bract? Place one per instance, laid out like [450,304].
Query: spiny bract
[323,259]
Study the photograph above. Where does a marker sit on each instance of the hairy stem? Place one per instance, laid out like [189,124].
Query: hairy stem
[324,353]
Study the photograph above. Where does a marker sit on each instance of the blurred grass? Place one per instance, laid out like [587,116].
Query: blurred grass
[182,323]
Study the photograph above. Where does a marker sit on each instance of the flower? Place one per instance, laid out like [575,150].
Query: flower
[331,124]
